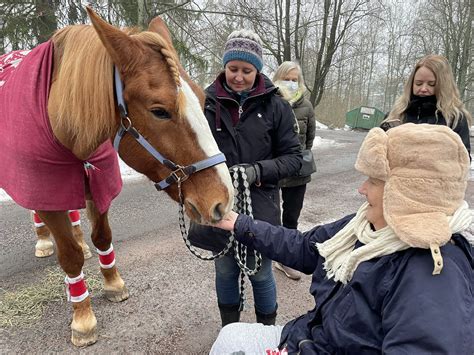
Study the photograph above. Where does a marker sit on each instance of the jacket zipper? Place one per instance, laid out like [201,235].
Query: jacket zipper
[241,107]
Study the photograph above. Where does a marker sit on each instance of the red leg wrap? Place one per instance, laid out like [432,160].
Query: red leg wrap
[75,217]
[76,288]
[107,258]
[38,222]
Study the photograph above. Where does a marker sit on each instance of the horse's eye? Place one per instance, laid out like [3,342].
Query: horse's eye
[161,114]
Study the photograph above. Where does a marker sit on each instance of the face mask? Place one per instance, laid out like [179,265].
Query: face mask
[291,86]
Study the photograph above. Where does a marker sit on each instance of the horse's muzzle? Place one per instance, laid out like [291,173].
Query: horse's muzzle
[215,214]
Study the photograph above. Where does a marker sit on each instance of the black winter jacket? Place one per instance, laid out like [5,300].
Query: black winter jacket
[304,114]
[422,109]
[264,134]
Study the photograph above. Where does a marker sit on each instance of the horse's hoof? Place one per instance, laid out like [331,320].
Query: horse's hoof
[86,251]
[43,253]
[84,339]
[44,248]
[117,296]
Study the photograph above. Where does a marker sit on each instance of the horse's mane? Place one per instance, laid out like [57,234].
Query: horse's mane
[84,83]
[84,80]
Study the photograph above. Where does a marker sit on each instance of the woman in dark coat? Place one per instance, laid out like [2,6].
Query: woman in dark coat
[289,79]
[395,278]
[431,96]
[255,128]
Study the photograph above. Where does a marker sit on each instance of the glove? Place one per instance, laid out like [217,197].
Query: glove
[251,170]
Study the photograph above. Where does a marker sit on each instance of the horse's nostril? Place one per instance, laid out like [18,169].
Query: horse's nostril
[217,212]
[195,212]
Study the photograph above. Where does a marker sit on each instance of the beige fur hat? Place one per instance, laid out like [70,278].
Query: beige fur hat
[425,169]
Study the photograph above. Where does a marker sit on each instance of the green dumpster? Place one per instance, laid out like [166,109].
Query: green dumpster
[364,117]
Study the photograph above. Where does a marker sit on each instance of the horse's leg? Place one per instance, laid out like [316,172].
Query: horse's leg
[71,259]
[44,245]
[75,218]
[79,237]
[114,287]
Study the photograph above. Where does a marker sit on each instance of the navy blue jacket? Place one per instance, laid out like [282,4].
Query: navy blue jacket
[392,305]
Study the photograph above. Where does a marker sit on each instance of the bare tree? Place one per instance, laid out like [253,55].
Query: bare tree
[338,18]
[452,22]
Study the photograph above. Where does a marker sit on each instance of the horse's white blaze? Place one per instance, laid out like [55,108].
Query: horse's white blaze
[198,123]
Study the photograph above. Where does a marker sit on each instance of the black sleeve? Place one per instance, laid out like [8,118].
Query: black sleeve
[462,129]
[311,127]
[287,151]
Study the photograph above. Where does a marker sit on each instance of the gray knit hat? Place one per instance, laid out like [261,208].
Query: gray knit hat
[244,45]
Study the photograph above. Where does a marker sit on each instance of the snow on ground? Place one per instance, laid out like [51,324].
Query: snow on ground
[323,143]
[320,125]
[128,173]
[4,196]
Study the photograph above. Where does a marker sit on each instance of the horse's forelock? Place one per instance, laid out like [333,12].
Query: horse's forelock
[159,44]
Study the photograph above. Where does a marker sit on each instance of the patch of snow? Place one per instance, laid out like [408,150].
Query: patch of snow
[320,125]
[323,143]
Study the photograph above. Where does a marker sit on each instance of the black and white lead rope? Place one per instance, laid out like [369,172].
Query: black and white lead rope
[242,204]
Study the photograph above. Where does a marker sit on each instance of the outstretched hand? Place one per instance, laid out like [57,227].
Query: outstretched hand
[228,221]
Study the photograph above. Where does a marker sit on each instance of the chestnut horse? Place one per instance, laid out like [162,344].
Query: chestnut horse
[155,114]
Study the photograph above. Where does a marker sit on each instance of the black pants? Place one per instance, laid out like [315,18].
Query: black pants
[292,204]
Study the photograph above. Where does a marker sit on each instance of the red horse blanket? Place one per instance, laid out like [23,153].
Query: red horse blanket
[36,170]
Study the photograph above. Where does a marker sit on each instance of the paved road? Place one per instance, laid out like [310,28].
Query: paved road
[172,306]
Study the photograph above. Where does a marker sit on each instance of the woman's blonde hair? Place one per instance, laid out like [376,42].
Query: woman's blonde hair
[446,91]
[284,69]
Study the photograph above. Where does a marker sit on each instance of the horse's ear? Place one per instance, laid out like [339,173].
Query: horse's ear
[119,45]
[158,25]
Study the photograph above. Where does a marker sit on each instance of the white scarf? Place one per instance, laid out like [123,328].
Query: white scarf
[342,259]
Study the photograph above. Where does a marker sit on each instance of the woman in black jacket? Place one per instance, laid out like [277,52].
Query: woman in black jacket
[256,129]
[289,80]
[431,96]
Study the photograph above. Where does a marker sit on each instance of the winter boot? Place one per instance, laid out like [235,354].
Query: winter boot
[288,271]
[79,237]
[229,313]
[266,319]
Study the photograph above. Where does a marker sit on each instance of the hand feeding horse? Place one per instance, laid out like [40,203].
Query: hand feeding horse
[57,126]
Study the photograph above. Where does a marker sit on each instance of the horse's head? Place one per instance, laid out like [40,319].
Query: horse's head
[166,108]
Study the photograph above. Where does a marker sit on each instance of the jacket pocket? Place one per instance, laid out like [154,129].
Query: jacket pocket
[343,306]
[266,204]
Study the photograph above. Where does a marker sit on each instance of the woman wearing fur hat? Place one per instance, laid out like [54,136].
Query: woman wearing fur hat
[430,95]
[395,278]
[255,129]
[289,79]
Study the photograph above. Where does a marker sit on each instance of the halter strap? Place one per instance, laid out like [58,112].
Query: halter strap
[179,173]
[119,93]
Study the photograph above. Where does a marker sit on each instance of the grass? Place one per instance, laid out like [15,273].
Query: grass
[25,304]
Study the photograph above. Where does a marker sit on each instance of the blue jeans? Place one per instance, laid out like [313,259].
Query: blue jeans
[263,283]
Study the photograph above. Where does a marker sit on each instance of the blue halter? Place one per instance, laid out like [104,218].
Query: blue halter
[178,173]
